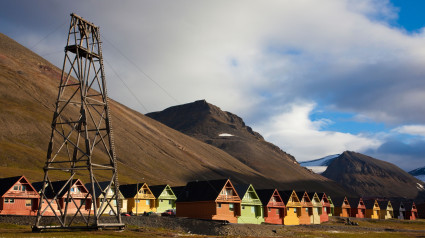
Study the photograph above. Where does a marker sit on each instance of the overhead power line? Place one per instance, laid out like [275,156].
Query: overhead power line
[48,34]
[141,71]
[125,84]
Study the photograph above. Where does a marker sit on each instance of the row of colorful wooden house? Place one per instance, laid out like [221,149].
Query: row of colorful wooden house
[213,199]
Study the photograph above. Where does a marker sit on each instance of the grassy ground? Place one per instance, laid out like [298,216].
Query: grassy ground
[366,229]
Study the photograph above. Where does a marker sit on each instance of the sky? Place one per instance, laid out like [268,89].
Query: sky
[314,77]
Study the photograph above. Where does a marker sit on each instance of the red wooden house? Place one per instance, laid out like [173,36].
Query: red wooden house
[79,197]
[411,211]
[273,205]
[18,197]
[342,206]
[212,199]
[358,208]
[326,207]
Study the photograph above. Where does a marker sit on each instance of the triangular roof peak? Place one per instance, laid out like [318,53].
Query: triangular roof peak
[6,184]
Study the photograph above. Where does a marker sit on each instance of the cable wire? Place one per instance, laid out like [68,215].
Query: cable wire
[140,70]
[45,37]
[125,84]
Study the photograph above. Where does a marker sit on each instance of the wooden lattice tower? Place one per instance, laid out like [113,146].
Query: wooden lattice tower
[81,143]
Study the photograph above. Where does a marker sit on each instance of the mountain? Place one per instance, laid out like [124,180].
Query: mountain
[371,177]
[227,131]
[319,165]
[146,150]
[419,173]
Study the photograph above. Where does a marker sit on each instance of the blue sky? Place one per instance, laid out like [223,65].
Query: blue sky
[314,77]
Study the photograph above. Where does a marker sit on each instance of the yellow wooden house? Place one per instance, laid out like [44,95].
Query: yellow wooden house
[293,207]
[386,209]
[140,198]
[372,209]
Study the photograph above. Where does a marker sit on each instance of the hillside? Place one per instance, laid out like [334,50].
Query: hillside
[228,132]
[146,149]
[371,177]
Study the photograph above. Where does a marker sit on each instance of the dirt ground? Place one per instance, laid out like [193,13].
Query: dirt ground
[156,226]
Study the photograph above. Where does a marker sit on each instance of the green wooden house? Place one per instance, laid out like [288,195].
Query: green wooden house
[251,206]
[332,206]
[165,197]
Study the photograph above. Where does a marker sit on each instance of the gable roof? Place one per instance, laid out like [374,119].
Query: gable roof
[7,183]
[301,194]
[241,189]
[158,189]
[339,201]
[131,190]
[207,190]
[57,185]
[383,204]
[177,190]
[354,201]
[265,195]
[286,195]
[103,185]
[369,203]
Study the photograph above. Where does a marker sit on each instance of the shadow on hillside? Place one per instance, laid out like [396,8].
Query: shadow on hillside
[261,182]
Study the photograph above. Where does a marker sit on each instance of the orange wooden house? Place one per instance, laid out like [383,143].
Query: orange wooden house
[358,208]
[79,200]
[342,206]
[273,205]
[18,197]
[212,200]
[326,207]
[306,208]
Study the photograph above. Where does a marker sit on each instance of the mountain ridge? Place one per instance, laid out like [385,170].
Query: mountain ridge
[147,151]
[371,177]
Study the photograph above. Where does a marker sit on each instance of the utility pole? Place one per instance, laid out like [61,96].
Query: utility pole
[81,142]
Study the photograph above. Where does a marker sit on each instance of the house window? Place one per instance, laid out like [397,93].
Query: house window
[114,202]
[278,211]
[72,189]
[23,188]
[6,200]
[270,209]
[28,202]
[252,209]
[160,200]
[243,207]
[11,200]
[170,202]
[219,205]
[231,206]
[137,201]
[16,187]
[148,202]
[306,209]
[295,210]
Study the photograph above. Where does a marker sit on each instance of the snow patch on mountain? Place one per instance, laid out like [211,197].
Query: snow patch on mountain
[319,165]
[225,134]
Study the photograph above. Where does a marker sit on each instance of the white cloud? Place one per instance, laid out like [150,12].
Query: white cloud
[415,130]
[297,134]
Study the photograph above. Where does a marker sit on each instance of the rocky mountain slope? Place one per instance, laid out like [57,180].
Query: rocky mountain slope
[146,149]
[228,132]
[371,177]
